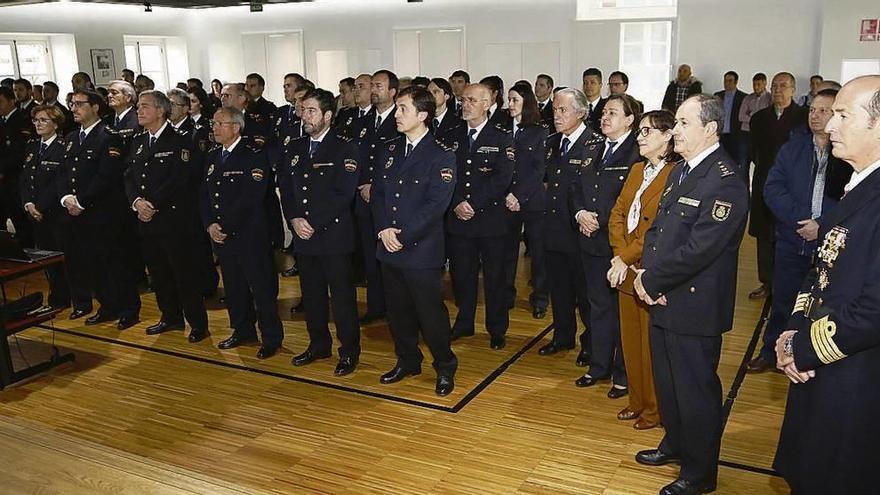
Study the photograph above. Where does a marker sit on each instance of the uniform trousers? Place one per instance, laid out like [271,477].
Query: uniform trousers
[466,256]
[249,278]
[367,237]
[317,273]
[568,290]
[46,236]
[635,331]
[689,395]
[607,358]
[534,229]
[176,277]
[76,264]
[415,306]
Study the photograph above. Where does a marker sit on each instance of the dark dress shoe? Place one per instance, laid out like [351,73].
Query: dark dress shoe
[78,313]
[398,373]
[371,317]
[759,365]
[457,334]
[196,335]
[686,487]
[298,308]
[627,414]
[497,343]
[759,293]
[290,272]
[235,341]
[617,392]
[586,381]
[445,385]
[127,322]
[539,313]
[553,348]
[656,457]
[99,318]
[644,424]
[267,351]
[163,326]
[309,356]
[345,366]
[583,359]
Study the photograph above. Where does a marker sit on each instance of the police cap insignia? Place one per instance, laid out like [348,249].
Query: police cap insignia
[721,210]
[257,174]
[350,165]
[446,174]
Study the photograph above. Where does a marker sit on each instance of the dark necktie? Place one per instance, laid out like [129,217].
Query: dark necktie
[152,141]
[224,155]
[290,113]
[116,122]
[541,105]
[82,136]
[471,139]
[590,110]
[313,146]
[436,124]
[516,129]
[43,147]
[378,122]
[564,148]
[409,148]
[684,172]
[360,112]
[608,150]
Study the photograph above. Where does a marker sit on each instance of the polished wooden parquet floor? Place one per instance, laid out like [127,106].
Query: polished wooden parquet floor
[143,415]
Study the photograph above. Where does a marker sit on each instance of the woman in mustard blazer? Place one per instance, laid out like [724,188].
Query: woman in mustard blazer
[631,217]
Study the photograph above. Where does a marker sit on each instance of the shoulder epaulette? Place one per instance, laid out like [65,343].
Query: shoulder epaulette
[344,138]
[595,139]
[215,147]
[142,133]
[392,140]
[501,127]
[725,170]
[34,140]
[443,145]
[109,130]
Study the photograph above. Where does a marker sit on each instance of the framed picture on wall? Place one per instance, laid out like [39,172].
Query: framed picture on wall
[103,66]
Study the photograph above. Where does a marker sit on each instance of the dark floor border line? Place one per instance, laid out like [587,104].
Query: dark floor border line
[751,469]
[473,393]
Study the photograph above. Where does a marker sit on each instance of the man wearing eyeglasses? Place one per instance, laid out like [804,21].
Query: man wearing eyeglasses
[235,187]
[15,131]
[159,186]
[91,189]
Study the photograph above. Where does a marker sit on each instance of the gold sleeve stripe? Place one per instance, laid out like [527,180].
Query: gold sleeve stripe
[800,304]
[821,333]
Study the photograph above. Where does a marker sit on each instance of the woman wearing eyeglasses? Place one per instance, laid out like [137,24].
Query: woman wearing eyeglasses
[39,197]
[630,219]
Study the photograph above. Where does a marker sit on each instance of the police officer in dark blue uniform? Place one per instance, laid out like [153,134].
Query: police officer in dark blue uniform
[234,191]
[409,202]
[595,192]
[477,223]
[159,186]
[286,127]
[350,121]
[318,183]
[260,114]
[16,130]
[688,275]
[91,190]
[573,147]
[445,120]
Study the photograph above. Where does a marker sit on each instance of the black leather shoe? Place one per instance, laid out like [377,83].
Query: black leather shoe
[99,318]
[235,341]
[345,366]
[127,322]
[298,308]
[371,317]
[445,385]
[398,373]
[656,457]
[309,356]
[265,351]
[685,487]
[586,381]
[497,343]
[163,326]
[553,348]
[457,334]
[198,335]
[616,392]
[759,365]
[583,359]
[539,313]
[290,272]
[78,313]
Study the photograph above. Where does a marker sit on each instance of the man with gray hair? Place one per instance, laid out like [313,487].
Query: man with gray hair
[689,268]
[158,173]
[121,98]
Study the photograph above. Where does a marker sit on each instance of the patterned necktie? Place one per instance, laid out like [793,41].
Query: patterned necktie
[471,139]
[313,146]
[409,148]
[608,150]
[684,173]
[564,148]
[224,155]
[82,136]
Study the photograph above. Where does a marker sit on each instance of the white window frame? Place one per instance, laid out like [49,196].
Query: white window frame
[135,65]
[14,42]
[635,69]
[602,10]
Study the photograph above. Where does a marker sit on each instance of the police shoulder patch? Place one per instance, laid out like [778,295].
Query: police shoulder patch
[721,210]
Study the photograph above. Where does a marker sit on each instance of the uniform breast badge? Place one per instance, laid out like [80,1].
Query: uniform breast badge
[835,241]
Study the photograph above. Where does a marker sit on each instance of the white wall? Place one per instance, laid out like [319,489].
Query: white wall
[840,35]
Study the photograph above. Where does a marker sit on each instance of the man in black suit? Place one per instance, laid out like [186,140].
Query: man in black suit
[592,87]
[732,138]
[544,93]
[122,98]
[318,179]
[444,120]
[409,201]
[477,222]
[158,183]
[16,130]
[689,268]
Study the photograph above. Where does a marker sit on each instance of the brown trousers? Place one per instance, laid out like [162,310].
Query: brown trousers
[634,336]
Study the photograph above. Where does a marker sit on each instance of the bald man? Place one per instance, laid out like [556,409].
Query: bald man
[831,352]
[682,87]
